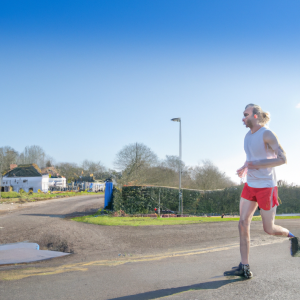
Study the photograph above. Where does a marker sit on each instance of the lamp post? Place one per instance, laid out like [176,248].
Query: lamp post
[1,162]
[180,206]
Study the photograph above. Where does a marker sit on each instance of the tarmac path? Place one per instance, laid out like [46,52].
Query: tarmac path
[151,262]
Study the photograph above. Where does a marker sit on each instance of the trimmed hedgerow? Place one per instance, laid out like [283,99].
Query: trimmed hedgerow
[290,197]
[143,200]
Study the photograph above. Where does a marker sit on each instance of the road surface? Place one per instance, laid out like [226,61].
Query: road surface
[169,262]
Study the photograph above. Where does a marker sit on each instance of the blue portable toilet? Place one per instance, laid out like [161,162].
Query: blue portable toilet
[108,193]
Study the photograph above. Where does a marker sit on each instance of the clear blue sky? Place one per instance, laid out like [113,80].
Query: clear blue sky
[84,78]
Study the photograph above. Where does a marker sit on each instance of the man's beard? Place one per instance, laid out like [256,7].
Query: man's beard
[249,124]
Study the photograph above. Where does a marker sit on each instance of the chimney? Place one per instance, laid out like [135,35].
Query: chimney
[13,166]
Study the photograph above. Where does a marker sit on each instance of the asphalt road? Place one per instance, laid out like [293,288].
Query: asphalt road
[170,262]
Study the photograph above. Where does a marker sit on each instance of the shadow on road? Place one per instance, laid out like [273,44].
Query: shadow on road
[67,216]
[168,292]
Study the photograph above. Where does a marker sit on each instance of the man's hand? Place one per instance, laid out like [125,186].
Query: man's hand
[241,172]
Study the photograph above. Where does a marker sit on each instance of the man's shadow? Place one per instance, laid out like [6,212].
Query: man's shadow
[229,277]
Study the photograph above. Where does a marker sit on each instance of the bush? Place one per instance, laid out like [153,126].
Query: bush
[143,200]
[21,191]
[117,202]
[290,197]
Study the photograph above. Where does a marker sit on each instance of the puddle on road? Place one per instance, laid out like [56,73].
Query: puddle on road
[25,253]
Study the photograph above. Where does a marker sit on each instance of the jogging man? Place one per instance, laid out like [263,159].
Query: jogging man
[263,153]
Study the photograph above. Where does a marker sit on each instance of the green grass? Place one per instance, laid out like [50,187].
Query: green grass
[141,221]
[10,195]
[287,217]
[26,197]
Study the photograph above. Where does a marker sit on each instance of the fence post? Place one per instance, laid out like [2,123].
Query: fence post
[159,202]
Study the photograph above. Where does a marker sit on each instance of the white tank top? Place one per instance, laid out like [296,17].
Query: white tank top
[256,149]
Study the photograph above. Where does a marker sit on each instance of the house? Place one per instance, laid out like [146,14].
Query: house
[55,180]
[58,182]
[26,177]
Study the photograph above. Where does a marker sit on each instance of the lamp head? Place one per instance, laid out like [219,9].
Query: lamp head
[176,119]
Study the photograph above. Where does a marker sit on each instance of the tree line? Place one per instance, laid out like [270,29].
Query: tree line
[141,166]
[135,164]
[36,155]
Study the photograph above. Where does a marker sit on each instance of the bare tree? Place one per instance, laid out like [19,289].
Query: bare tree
[209,177]
[69,170]
[96,168]
[173,162]
[133,159]
[8,156]
[33,155]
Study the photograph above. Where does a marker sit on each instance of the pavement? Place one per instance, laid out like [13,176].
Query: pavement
[175,269]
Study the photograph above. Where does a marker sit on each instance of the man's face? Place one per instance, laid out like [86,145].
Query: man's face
[249,119]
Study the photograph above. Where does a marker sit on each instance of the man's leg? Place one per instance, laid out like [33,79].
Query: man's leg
[268,218]
[247,209]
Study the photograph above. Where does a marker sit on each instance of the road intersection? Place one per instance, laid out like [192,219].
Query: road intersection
[170,262]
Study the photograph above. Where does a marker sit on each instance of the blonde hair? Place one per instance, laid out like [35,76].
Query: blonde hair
[262,116]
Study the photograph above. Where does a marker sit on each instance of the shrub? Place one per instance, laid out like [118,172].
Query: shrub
[290,197]
[143,200]
[117,202]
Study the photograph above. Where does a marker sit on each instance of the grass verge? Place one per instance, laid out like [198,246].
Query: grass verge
[140,221]
[13,197]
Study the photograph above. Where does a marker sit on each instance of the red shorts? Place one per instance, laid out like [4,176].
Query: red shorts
[266,198]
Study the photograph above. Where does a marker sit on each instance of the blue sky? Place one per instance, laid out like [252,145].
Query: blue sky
[84,78]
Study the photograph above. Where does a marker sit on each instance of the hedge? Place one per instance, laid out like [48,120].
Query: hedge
[143,200]
[290,197]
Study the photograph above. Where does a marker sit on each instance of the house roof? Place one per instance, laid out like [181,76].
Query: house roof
[24,171]
[50,170]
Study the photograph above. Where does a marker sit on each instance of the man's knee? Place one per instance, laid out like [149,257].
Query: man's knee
[244,224]
[269,229]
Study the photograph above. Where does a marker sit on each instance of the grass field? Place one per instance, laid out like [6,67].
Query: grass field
[140,221]
[14,197]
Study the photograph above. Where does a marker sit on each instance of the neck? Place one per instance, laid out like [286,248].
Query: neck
[255,128]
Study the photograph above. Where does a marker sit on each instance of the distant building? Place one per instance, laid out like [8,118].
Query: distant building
[85,179]
[26,177]
[55,180]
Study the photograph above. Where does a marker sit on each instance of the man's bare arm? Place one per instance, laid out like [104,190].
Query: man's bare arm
[272,141]
[241,172]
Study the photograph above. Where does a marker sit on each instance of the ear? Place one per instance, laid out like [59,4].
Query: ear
[255,116]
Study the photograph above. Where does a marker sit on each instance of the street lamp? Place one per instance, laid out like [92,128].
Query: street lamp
[180,206]
[1,162]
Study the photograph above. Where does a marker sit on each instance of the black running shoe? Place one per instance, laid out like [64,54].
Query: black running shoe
[295,247]
[244,270]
